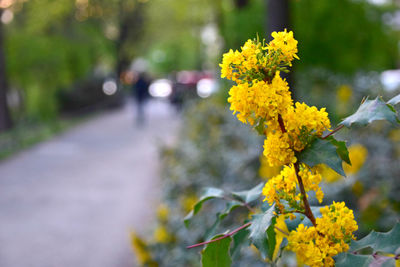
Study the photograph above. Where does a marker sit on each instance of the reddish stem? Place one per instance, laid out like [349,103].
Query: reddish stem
[281,124]
[222,237]
[307,208]
[334,131]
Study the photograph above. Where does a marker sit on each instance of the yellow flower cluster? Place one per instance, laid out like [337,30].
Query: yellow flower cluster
[284,185]
[260,99]
[302,120]
[285,44]
[316,245]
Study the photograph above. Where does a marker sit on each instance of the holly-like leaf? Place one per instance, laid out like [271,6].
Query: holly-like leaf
[239,239]
[369,111]
[217,253]
[380,242]
[351,260]
[249,195]
[322,151]
[230,206]
[341,149]
[395,100]
[209,193]
[258,232]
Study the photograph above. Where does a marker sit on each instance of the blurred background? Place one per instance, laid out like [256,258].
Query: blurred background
[113,118]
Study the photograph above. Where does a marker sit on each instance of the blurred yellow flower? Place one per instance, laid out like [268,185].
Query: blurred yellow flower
[162,212]
[141,251]
[281,231]
[344,93]
[358,154]
[266,171]
[188,202]
[161,235]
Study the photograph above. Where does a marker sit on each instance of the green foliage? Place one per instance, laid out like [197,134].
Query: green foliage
[324,151]
[341,149]
[251,195]
[382,245]
[395,100]
[326,29]
[370,111]
[380,242]
[217,253]
[209,193]
[258,232]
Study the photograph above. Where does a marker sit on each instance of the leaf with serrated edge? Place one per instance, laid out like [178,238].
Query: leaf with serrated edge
[209,193]
[322,151]
[258,228]
[230,206]
[249,195]
[350,260]
[239,239]
[395,100]
[380,242]
[369,111]
[217,253]
[341,149]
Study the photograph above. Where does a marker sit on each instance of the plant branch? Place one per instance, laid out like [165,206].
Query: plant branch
[281,124]
[333,131]
[307,208]
[282,231]
[222,237]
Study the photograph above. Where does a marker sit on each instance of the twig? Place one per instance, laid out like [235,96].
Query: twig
[334,131]
[280,230]
[281,124]
[222,237]
[307,208]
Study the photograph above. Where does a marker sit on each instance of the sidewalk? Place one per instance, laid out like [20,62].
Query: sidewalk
[72,201]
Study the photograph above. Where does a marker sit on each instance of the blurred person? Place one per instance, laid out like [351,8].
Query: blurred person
[140,91]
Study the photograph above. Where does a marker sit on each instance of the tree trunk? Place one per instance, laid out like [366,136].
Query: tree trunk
[5,119]
[278,19]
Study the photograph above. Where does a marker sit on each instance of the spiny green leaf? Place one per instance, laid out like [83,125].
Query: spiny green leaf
[249,195]
[341,149]
[322,151]
[395,100]
[239,239]
[369,111]
[351,260]
[216,254]
[258,228]
[380,242]
[230,206]
[271,237]
[209,193]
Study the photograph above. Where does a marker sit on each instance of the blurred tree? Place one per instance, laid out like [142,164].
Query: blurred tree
[5,119]
[50,45]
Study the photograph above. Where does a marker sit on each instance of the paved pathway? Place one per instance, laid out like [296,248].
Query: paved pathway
[71,201]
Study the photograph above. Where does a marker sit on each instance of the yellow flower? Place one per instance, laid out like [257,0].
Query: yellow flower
[161,235]
[141,251]
[277,149]
[358,154]
[280,231]
[344,93]
[316,245]
[303,120]
[284,185]
[285,44]
[162,212]
[188,202]
[260,99]
[266,171]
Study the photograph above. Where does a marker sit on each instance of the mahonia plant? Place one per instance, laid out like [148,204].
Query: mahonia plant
[299,141]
